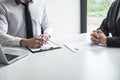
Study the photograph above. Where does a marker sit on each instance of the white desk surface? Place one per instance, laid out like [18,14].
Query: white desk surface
[62,64]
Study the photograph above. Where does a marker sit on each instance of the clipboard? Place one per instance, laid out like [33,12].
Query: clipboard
[48,46]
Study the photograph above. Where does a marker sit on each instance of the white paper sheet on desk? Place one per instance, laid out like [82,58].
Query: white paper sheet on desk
[48,46]
[82,46]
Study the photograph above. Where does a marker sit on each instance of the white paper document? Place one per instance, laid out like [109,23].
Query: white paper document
[48,46]
[82,46]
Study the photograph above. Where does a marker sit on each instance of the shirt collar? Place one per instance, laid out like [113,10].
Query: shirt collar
[19,2]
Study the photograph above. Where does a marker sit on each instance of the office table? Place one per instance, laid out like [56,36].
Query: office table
[62,64]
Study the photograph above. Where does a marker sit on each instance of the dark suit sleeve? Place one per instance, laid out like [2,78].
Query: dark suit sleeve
[113,41]
[104,27]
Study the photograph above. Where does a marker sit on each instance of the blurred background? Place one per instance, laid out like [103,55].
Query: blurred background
[96,12]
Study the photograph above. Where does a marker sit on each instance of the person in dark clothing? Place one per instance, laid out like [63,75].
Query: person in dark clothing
[110,25]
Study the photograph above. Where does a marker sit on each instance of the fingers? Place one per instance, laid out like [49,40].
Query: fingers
[41,40]
[99,31]
[37,41]
[95,34]
[45,37]
[98,36]
[94,39]
[36,46]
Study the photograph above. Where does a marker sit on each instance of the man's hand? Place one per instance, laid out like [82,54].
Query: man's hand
[98,36]
[95,37]
[35,42]
[102,37]
[32,42]
[45,37]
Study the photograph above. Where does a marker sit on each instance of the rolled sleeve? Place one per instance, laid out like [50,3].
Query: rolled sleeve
[9,40]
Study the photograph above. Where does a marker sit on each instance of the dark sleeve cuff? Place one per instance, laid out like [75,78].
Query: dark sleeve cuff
[113,41]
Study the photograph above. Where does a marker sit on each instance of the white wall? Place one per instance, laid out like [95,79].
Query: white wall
[64,16]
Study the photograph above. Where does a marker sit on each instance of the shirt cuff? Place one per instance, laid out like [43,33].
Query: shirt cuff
[104,45]
[17,41]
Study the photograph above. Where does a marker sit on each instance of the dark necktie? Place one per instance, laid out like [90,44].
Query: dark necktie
[29,27]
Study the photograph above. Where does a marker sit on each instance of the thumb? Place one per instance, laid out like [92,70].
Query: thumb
[99,31]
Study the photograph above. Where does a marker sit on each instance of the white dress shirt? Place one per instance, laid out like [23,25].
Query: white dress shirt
[12,21]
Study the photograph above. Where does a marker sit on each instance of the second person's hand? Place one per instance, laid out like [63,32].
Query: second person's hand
[95,37]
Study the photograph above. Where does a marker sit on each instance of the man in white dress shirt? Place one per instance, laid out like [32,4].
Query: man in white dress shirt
[12,23]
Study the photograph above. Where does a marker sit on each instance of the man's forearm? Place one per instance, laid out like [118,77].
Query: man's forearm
[9,40]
